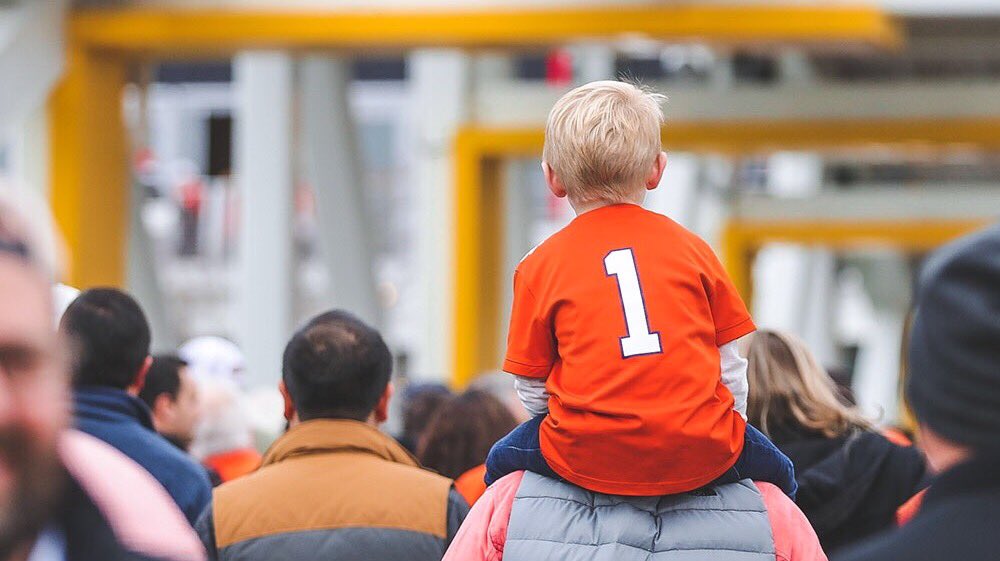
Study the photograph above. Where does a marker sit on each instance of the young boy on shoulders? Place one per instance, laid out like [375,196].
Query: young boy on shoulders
[624,325]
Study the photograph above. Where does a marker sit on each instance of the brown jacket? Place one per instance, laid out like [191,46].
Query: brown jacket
[334,489]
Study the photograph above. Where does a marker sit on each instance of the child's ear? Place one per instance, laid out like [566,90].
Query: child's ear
[553,181]
[653,181]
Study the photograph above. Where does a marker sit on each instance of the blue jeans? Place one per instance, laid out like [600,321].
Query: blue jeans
[521,449]
[760,461]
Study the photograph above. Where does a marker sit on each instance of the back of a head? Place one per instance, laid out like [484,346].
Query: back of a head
[110,335]
[789,390]
[602,138]
[954,348]
[460,435]
[163,378]
[336,367]
[420,403]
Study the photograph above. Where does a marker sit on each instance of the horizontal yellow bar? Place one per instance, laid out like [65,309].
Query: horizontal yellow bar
[907,235]
[760,135]
[180,31]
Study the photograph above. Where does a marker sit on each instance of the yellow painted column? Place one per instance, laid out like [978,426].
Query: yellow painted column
[737,257]
[492,229]
[479,231]
[89,175]
[468,202]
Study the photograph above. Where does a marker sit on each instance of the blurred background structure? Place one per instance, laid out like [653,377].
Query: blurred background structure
[241,164]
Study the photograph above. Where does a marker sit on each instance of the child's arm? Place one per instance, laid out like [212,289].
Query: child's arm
[531,392]
[531,348]
[734,375]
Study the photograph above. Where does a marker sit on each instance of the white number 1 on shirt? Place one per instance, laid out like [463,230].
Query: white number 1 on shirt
[621,264]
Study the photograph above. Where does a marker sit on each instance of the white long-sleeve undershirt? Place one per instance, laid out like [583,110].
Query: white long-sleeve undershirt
[531,391]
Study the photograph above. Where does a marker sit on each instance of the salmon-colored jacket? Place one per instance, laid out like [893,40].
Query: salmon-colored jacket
[484,533]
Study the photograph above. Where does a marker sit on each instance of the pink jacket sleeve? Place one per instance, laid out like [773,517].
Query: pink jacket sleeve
[141,513]
[794,537]
[484,531]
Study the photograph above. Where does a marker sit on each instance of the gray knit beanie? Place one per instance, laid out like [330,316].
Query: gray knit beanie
[954,352]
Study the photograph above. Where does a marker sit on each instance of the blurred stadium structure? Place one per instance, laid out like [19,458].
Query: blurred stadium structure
[240,164]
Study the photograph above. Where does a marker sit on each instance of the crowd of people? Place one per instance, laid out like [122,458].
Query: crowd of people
[698,437]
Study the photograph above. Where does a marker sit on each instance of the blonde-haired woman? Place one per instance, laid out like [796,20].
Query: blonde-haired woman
[851,478]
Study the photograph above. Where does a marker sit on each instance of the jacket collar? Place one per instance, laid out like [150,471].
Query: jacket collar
[327,436]
[974,476]
[111,404]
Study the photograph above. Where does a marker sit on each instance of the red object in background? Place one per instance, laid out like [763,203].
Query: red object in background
[144,160]
[191,195]
[897,437]
[235,463]
[559,68]
[471,484]
[910,508]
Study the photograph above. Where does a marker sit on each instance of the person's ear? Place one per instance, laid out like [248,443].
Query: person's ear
[289,406]
[140,377]
[656,174]
[381,412]
[163,408]
[552,180]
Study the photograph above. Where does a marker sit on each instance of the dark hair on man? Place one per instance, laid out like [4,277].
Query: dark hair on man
[336,367]
[164,377]
[110,335]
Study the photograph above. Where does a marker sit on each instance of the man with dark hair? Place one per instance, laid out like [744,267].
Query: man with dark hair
[172,397]
[63,494]
[953,386]
[334,486]
[111,337]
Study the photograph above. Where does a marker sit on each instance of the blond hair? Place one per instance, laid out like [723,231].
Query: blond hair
[789,389]
[602,138]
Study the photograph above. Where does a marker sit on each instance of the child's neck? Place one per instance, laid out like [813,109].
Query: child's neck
[587,206]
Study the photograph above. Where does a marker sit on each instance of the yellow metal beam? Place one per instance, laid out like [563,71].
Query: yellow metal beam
[185,31]
[742,239]
[479,261]
[89,176]
[748,136]
[478,148]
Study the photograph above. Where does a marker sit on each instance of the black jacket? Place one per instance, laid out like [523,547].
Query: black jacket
[959,519]
[850,487]
[89,536]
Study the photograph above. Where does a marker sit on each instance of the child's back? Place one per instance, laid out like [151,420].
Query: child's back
[623,311]
[623,327]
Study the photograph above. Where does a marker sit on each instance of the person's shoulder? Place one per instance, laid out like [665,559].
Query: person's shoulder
[775,500]
[911,542]
[413,475]
[548,249]
[172,466]
[958,528]
[134,503]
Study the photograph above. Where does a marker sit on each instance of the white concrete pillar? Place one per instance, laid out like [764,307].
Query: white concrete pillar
[876,373]
[677,195]
[439,81]
[264,178]
[794,286]
[28,157]
[592,62]
[492,68]
[333,168]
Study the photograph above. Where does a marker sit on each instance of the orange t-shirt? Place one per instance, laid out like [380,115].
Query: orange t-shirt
[623,312]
